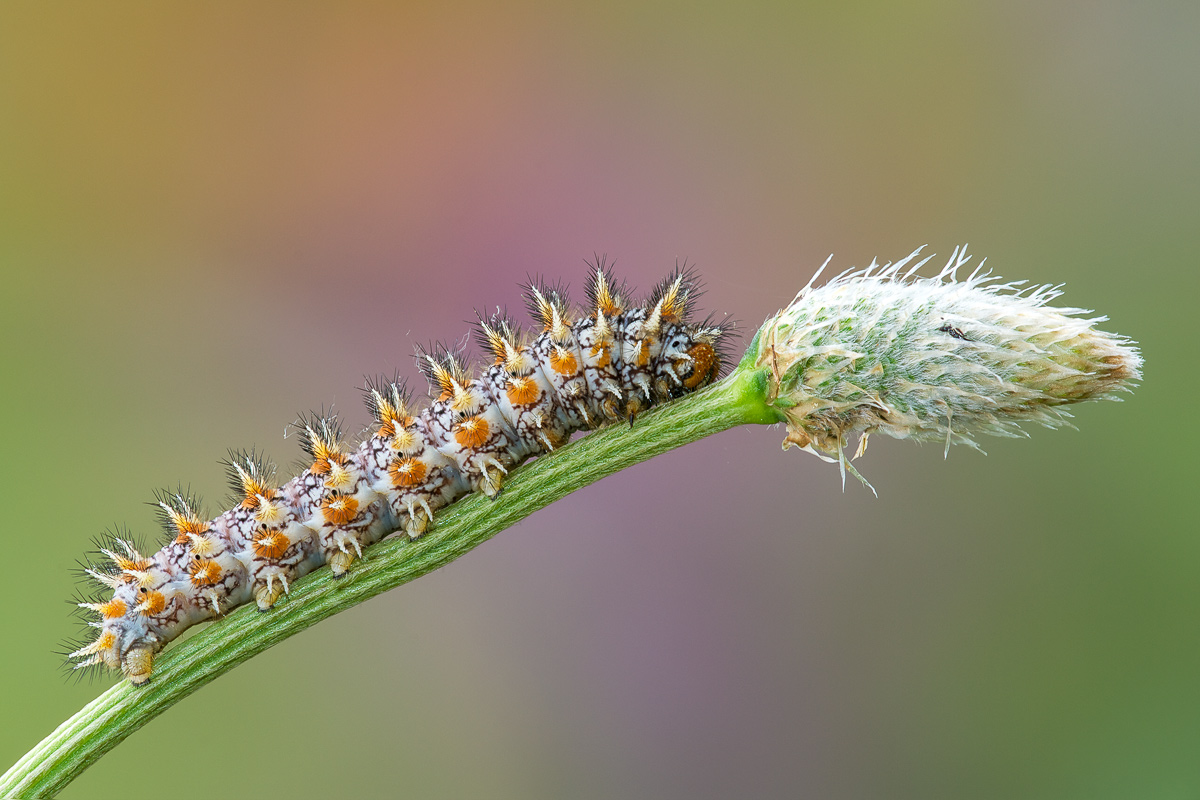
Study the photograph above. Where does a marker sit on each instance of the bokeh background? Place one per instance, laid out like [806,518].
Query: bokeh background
[215,216]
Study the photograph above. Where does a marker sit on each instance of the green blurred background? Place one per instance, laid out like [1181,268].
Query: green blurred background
[214,216]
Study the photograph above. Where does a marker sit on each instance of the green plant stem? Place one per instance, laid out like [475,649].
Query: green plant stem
[185,667]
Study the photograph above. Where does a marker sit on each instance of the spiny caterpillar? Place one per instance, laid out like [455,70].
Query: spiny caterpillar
[584,369]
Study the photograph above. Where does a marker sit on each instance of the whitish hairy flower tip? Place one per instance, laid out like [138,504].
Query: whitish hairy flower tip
[941,358]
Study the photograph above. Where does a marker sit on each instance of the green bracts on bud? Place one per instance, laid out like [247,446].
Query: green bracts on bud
[939,358]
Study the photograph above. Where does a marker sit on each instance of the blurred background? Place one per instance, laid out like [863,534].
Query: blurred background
[215,216]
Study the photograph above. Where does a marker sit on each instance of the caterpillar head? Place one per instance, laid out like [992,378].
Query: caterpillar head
[691,358]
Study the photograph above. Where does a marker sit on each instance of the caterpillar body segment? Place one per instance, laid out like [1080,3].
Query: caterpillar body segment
[581,369]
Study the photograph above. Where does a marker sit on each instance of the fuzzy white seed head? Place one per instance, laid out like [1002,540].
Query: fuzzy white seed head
[879,350]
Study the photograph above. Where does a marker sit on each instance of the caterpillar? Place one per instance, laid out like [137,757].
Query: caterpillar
[588,367]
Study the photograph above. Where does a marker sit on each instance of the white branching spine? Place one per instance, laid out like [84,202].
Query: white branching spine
[941,358]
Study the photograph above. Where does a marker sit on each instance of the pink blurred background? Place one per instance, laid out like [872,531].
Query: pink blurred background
[214,217]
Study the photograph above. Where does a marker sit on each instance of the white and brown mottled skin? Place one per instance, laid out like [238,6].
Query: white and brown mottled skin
[583,370]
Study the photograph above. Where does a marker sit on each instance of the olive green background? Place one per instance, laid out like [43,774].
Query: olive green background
[215,216]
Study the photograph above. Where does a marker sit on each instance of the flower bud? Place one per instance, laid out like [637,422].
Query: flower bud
[878,350]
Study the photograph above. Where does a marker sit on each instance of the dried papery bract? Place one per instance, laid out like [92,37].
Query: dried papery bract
[941,358]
